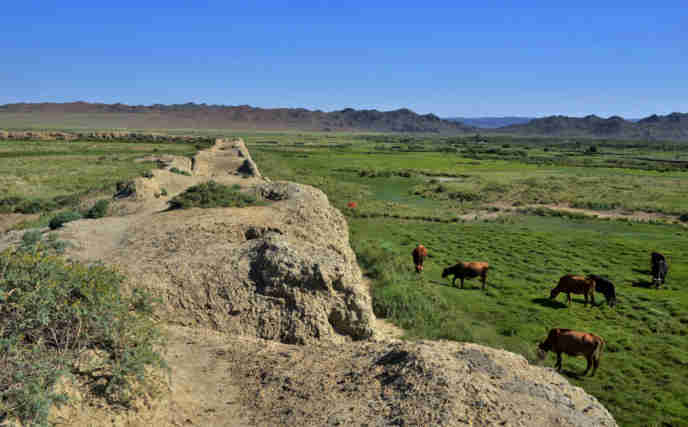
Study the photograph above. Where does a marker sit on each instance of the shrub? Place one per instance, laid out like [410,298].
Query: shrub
[99,209]
[211,195]
[179,171]
[163,192]
[31,238]
[7,205]
[53,315]
[147,174]
[35,206]
[684,217]
[62,218]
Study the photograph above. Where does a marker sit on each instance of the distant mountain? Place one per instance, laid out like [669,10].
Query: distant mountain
[673,126]
[491,122]
[202,116]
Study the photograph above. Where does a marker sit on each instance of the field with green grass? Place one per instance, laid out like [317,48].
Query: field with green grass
[420,190]
[431,190]
[45,176]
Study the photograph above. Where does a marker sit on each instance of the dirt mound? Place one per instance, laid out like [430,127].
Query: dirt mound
[284,271]
[402,383]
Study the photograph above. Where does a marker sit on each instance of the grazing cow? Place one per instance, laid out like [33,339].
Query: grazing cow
[573,343]
[571,284]
[605,287]
[419,254]
[660,268]
[467,270]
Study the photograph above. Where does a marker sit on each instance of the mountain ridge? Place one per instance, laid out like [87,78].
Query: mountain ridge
[192,115]
[672,126]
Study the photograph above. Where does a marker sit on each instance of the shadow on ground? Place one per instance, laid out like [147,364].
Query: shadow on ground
[546,302]
[642,284]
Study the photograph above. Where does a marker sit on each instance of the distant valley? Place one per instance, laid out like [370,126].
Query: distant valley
[491,122]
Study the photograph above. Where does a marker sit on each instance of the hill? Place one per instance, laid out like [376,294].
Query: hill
[202,116]
[491,122]
[673,126]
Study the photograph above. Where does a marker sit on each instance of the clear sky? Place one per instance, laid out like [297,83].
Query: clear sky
[451,58]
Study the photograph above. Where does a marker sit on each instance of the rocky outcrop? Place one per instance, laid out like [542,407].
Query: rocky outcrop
[284,271]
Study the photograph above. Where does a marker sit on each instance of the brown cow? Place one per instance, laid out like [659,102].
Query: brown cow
[573,343]
[419,254]
[572,284]
[467,270]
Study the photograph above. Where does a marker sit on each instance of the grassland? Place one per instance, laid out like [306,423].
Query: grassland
[424,189]
[395,184]
[43,176]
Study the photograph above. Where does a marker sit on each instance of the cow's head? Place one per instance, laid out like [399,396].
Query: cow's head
[419,268]
[445,272]
[543,348]
[553,294]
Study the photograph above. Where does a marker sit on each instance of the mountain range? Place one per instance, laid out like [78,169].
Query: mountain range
[202,116]
[673,126]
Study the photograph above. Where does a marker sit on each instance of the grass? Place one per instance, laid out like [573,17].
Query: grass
[346,172]
[211,195]
[35,176]
[411,189]
[644,366]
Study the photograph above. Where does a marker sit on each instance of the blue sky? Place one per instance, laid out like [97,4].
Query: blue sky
[451,58]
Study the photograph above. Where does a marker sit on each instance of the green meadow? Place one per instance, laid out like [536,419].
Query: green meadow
[430,190]
[413,190]
[48,176]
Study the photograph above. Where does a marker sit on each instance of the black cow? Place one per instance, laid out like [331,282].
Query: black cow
[605,287]
[660,268]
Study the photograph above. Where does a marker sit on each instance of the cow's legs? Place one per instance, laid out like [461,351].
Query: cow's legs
[569,297]
[484,278]
[595,364]
[558,364]
[461,282]
[587,368]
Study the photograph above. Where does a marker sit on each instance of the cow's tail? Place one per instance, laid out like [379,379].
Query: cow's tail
[599,346]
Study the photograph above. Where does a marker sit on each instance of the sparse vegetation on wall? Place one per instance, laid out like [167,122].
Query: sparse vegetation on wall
[211,195]
[61,320]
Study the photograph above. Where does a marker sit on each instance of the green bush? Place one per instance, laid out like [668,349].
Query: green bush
[179,171]
[31,238]
[35,206]
[62,218]
[99,209]
[66,319]
[211,195]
